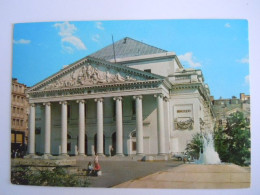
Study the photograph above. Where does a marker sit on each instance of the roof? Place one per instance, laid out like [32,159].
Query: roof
[126,47]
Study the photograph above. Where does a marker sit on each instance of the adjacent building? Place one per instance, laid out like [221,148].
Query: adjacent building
[19,116]
[129,98]
[224,107]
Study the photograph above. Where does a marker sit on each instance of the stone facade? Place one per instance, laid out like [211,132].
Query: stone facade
[141,105]
[19,115]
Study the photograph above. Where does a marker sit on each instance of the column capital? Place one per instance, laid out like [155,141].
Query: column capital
[137,97]
[32,104]
[166,99]
[63,102]
[118,98]
[81,101]
[159,95]
[99,100]
[46,103]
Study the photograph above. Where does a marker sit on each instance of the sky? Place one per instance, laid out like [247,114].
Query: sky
[218,47]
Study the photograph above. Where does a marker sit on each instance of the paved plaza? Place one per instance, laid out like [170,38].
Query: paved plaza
[115,172]
[194,176]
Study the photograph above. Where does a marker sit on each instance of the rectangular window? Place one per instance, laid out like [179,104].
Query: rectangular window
[148,70]
[69,147]
[19,138]
[133,145]
[13,138]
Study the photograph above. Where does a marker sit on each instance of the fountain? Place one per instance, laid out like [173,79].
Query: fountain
[209,155]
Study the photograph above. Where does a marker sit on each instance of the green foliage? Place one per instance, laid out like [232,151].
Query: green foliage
[55,177]
[193,148]
[233,142]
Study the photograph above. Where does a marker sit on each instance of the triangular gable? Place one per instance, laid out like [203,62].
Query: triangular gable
[90,72]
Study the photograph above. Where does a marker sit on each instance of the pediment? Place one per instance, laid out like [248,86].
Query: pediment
[91,72]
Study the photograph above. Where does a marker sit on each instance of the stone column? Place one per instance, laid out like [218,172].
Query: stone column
[64,128]
[100,126]
[139,125]
[81,137]
[167,101]
[160,125]
[32,130]
[47,147]
[119,126]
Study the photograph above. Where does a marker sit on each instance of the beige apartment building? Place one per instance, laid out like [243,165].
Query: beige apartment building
[19,117]
[224,107]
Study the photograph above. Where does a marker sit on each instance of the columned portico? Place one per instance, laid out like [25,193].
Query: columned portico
[119,126]
[32,130]
[47,147]
[139,125]
[94,82]
[100,126]
[64,128]
[160,125]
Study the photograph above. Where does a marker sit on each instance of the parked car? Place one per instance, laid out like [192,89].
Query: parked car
[180,156]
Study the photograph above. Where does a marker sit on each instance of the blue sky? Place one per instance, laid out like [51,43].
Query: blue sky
[218,47]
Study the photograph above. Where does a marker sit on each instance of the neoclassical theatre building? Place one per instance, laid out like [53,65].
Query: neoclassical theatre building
[128,98]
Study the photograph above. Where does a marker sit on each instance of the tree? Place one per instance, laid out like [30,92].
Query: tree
[233,142]
[194,146]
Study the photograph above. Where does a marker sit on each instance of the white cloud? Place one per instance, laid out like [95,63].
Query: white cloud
[75,41]
[244,60]
[187,58]
[66,31]
[227,25]
[22,41]
[96,38]
[99,26]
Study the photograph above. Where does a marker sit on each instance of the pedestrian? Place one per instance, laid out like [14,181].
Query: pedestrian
[112,151]
[97,169]
[90,168]
[15,154]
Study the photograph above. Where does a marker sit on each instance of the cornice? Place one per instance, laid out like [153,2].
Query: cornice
[88,59]
[98,86]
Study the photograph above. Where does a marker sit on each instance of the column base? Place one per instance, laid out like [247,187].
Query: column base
[81,154]
[46,156]
[31,156]
[140,154]
[119,154]
[100,154]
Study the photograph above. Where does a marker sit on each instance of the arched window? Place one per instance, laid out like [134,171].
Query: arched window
[133,133]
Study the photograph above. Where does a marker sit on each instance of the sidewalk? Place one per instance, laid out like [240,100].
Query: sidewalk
[115,172]
[193,176]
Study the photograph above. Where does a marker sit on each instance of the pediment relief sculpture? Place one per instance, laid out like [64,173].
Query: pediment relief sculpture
[88,75]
